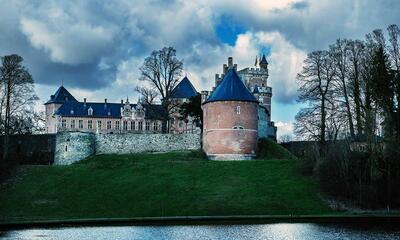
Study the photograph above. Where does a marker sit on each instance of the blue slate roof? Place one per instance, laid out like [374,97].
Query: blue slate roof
[231,88]
[109,110]
[72,108]
[263,60]
[62,95]
[184,89]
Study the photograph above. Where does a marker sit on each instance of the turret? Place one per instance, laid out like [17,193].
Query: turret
[230,121]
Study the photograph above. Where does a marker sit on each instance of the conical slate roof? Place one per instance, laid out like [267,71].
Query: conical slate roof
[184,89]
[263,60]
[62,95]
[231,88]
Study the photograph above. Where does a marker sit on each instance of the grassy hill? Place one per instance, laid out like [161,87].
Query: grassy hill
[168,184]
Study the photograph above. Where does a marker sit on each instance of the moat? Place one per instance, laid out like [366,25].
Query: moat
[226,232]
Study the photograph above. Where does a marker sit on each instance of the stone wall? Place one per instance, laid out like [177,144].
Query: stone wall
[137,143]
[65,148]
[310,148]
[73,146]
[263,120]
[30,149]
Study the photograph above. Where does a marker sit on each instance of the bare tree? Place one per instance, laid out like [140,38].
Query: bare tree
[285,138]
[355,51]
[366,85]
[17,97]
[162,70]
[394,53]
[315,82]
[149,95]
[339,53]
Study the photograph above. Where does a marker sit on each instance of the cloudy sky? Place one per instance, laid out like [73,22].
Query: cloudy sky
[95,48]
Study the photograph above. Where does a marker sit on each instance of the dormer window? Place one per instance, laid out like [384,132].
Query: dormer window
[71,112]
[90,111]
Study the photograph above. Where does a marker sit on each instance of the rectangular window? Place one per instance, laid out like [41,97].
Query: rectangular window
[155,126]
[117,125]
[72,123]
[99,124]
[90,124]
[108,125]
[147,126]
[125,125]
[64,123]
[133,125]
[237,109]
[140,127]
[80,123]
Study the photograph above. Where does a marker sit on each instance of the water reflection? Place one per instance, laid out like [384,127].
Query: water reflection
[226,232]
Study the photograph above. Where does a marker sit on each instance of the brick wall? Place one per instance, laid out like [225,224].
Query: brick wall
[230,133]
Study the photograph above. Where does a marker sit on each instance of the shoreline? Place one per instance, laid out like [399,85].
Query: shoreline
[202,220]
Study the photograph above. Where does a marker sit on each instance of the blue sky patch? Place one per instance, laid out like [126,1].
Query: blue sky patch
[266,50]
[227,29]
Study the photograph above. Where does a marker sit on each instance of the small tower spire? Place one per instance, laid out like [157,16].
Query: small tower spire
[256,62]
[263,62]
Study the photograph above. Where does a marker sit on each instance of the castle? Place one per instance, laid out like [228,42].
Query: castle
[236,113]
[65,113]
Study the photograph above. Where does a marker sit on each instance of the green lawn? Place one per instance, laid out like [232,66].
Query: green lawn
[169,184]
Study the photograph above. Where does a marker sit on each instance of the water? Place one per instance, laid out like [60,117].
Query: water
[287,231]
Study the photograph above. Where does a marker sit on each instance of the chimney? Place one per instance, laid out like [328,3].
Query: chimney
[122,102]
[224,69]
[105,100]
[84,102]
[235,66]
[204,96]
[230,62]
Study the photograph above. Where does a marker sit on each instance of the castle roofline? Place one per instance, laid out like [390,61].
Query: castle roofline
[62,95]
[231,88]
[184,89]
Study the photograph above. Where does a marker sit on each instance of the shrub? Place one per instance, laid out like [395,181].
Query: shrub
[268,149]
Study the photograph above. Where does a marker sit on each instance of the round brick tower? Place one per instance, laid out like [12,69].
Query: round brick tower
[230,121]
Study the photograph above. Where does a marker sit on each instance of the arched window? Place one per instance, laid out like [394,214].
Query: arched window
[237,109]
[90,111]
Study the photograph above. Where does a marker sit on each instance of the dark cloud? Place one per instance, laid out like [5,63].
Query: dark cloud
[94,45]
[300,5]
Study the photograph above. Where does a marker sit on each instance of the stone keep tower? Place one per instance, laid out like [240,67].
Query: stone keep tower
[230,120]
